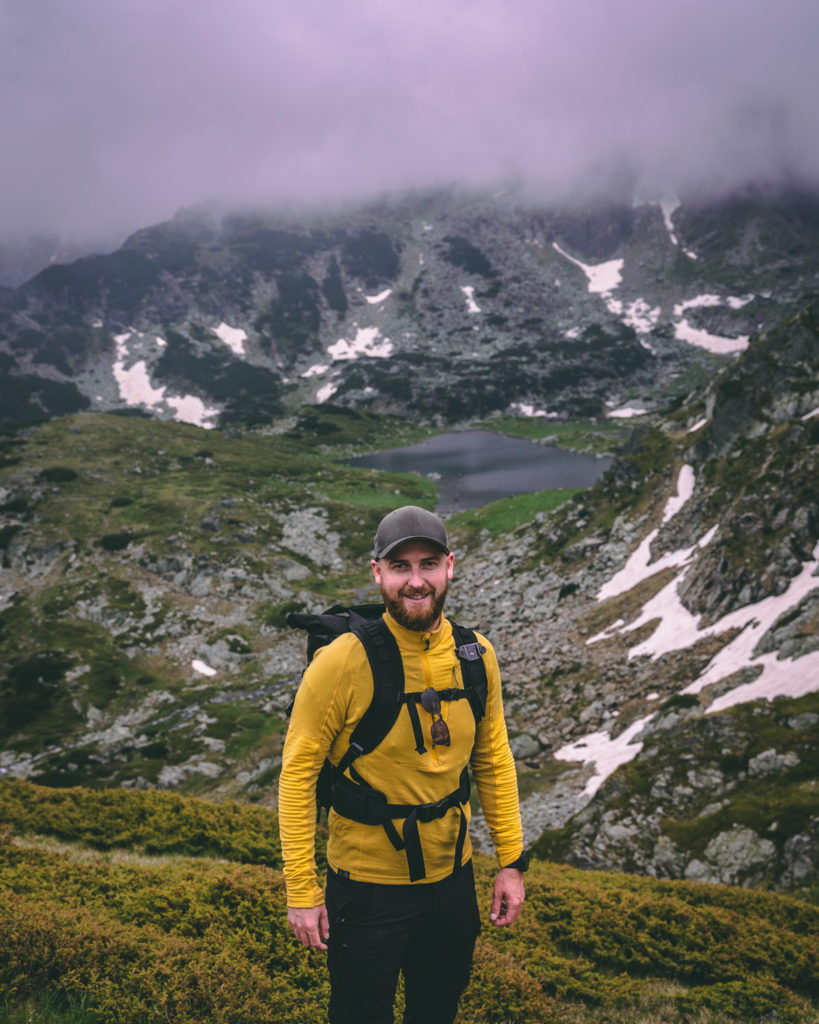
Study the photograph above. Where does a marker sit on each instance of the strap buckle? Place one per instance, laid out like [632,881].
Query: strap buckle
[431,812]
[471,652]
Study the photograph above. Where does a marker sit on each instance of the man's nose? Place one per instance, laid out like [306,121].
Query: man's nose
[416,579]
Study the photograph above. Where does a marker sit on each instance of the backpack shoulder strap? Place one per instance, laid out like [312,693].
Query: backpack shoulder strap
[470,652]
[388,686]
[324,628]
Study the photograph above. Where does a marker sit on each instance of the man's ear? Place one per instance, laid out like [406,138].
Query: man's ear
[376,568]
[450,563]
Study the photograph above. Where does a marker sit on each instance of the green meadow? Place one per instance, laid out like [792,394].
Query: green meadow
[135,907]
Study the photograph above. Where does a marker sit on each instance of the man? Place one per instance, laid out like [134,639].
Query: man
[400,891]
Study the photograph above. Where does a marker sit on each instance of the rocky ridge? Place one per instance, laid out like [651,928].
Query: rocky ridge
[715,551]
[428,305]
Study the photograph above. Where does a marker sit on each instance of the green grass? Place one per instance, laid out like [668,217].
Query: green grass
[141,481]
[352,430]
[246,730]
[48,1007]
[154,821]
[598,437]
[125,918]
[506,515]
[116,508]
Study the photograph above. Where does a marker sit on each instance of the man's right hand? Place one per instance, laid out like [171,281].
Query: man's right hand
[310,925]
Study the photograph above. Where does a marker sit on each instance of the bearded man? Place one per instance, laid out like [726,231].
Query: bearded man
[400,893]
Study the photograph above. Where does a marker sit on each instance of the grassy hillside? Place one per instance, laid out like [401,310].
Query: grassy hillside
[132,548]
[595,436]
[140,907]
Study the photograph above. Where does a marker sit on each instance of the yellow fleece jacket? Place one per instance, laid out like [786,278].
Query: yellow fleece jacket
[335,692]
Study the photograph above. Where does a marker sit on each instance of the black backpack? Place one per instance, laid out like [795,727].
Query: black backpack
[350,795]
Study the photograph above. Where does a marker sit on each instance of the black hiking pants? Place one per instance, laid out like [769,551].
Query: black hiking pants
[426,930]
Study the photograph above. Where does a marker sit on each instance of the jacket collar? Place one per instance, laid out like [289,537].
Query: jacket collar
[412,639]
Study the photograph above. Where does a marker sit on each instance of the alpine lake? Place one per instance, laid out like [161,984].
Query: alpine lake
[475,467]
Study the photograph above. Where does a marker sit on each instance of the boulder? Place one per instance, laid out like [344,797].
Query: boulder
[770,763]
[523,745]
[735,857]
[800,854]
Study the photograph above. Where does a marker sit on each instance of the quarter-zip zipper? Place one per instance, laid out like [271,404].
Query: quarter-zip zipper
[425,641]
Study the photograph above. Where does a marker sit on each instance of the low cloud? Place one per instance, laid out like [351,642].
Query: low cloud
[117,114]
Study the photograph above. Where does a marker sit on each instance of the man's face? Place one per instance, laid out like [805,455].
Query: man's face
[413,579]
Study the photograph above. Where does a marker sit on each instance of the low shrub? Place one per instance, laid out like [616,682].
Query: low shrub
[138,939]
[155,821]
[116,541]
[58,474]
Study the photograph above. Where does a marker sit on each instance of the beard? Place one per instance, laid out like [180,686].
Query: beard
[420,620]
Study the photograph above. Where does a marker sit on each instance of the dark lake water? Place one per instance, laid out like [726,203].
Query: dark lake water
[479,466]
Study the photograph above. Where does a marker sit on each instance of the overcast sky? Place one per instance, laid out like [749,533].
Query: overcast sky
[116,113]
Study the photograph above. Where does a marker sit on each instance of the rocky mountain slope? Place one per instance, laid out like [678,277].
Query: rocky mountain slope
[658,633]
[147,570]
[661,639]
[643,627]
[429,305]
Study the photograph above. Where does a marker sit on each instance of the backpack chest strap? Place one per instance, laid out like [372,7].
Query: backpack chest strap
[356,800]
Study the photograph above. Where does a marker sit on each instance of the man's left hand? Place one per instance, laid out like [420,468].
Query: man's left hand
[508,896]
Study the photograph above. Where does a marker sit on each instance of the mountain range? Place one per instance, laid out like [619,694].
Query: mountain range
[436,306]
[170,486]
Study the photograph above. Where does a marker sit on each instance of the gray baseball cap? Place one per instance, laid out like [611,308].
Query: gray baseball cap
[408,523]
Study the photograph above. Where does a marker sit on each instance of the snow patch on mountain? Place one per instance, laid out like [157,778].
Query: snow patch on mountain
[677,630]
[625,412]
[642,317]
[603,278]
[604,752]
[684,331]
[471,304]
[134,382]
[135,388]
[233,337]
[668,207]
[640,566]
[778,677]
[531,410]
[316,370]
[190,409]
[365,343]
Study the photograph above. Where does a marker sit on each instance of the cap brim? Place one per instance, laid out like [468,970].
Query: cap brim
[403,540]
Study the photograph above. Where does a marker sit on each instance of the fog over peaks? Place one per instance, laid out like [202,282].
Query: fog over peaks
[117,114]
